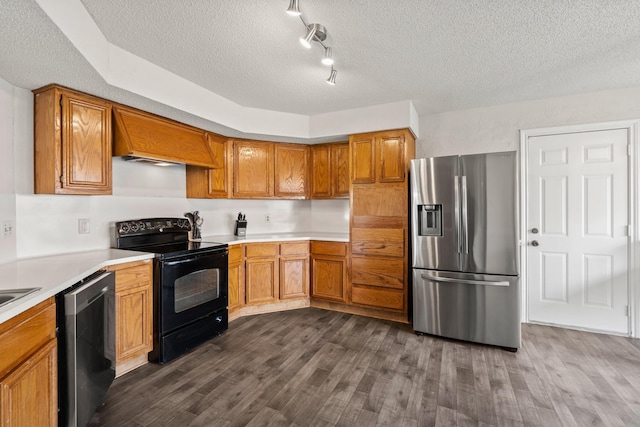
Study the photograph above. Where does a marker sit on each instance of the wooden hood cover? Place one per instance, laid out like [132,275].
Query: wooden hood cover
[147,136]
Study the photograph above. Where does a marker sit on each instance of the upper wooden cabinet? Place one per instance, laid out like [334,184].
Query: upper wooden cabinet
[72,142]
[252,169]
[380,157]
[212,183]
[290,178]
[142,134]
[329,171]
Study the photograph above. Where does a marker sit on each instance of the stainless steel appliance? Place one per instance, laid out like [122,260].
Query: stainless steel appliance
[86,347]
[465,248]
[190,283]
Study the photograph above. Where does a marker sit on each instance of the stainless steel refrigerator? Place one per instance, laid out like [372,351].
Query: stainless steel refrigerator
[464,213]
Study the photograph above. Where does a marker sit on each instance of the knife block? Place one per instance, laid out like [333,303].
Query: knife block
[240,229]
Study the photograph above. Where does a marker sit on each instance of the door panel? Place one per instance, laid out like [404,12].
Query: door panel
[578,204]
[490,238]
[432,183]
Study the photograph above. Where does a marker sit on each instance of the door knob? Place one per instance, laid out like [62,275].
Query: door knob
[534,243]
[534,230]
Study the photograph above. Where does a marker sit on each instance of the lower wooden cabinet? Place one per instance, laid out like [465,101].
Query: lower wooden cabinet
[329,271]
[29,368]
[236,278]
[134,314]
[294,270]
[261,273]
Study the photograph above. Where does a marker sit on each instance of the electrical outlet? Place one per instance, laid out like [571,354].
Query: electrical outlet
[7,229]
[84,226]
[267,218]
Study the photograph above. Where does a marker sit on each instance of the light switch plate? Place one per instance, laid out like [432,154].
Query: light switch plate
[7,229]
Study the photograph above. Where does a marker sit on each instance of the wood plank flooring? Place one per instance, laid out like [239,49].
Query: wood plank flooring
[311,367]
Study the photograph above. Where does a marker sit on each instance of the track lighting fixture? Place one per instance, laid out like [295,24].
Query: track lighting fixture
[332,77]
[314,33]
[294,8]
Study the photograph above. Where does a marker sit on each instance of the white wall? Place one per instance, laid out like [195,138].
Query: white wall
[7,182]
[496,128]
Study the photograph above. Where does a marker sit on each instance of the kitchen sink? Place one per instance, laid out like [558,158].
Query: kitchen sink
[10,295]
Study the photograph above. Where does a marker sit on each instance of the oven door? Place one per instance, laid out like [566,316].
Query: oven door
[191,287]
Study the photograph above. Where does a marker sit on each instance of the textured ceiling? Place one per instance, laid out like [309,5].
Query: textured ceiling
[442,55]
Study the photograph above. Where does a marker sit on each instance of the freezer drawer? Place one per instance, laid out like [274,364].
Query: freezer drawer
[470,307]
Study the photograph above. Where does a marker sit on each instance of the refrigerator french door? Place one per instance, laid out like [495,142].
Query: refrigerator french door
[465,248]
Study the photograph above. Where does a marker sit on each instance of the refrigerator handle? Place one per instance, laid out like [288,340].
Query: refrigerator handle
[464,281]
[456,189]
[465,227]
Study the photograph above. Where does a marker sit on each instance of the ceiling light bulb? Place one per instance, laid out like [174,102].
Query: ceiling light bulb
[294,8]
[332,77]
[306,40]
[328,56]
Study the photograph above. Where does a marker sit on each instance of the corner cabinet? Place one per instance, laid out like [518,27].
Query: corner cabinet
[330,171]
[29,368]
[379,223]
[134,314]
[72,140]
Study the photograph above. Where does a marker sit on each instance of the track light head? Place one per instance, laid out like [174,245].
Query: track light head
[294,8]
[315,32]
[328,56]
[332,77]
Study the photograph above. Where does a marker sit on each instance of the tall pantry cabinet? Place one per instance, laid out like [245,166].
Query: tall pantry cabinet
[379,223]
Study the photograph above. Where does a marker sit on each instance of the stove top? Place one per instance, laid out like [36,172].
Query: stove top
[166,237]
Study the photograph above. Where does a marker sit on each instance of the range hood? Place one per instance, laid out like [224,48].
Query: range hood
[145,137]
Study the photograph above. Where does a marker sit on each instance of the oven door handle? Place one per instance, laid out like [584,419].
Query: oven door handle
[180,261]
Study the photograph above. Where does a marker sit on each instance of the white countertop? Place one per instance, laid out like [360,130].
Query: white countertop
[279,237]
[56,273]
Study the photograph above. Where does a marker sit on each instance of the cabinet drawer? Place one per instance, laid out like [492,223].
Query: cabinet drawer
[384,272]
[23,334]
[381,298]
[132,275]
[329,248]
[235,254]
[377,241]
[295,248]
[261,250]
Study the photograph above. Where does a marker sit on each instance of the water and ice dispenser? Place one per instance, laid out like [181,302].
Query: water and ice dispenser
[430,220]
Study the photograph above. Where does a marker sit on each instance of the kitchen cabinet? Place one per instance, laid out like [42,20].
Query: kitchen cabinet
[211,183]
[252,169]
[261,273]
[329,271]
[329,171]
[72,141]
[29,368]
[379,223]
[294,270]
[236,278]
[381,156]
[134,314]
[291,181]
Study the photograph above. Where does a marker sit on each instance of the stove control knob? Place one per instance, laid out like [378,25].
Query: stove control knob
[134,227]
[142,226]
[124,228]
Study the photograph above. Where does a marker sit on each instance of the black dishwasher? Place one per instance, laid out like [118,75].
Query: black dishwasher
[85,318]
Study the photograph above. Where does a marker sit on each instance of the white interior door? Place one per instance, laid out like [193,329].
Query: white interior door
[577,230]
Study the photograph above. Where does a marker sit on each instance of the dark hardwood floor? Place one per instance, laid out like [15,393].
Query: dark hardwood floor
[311,367]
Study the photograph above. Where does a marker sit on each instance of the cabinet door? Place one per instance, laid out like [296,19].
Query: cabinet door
[29,394]
[321,171]
[329,278]
[363,152]
[294,277]
[236,278]
[86,145]
[218,177]
[391,157]
[133,323]
[291,170]
[340,170]
[261,278]
[252,169]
